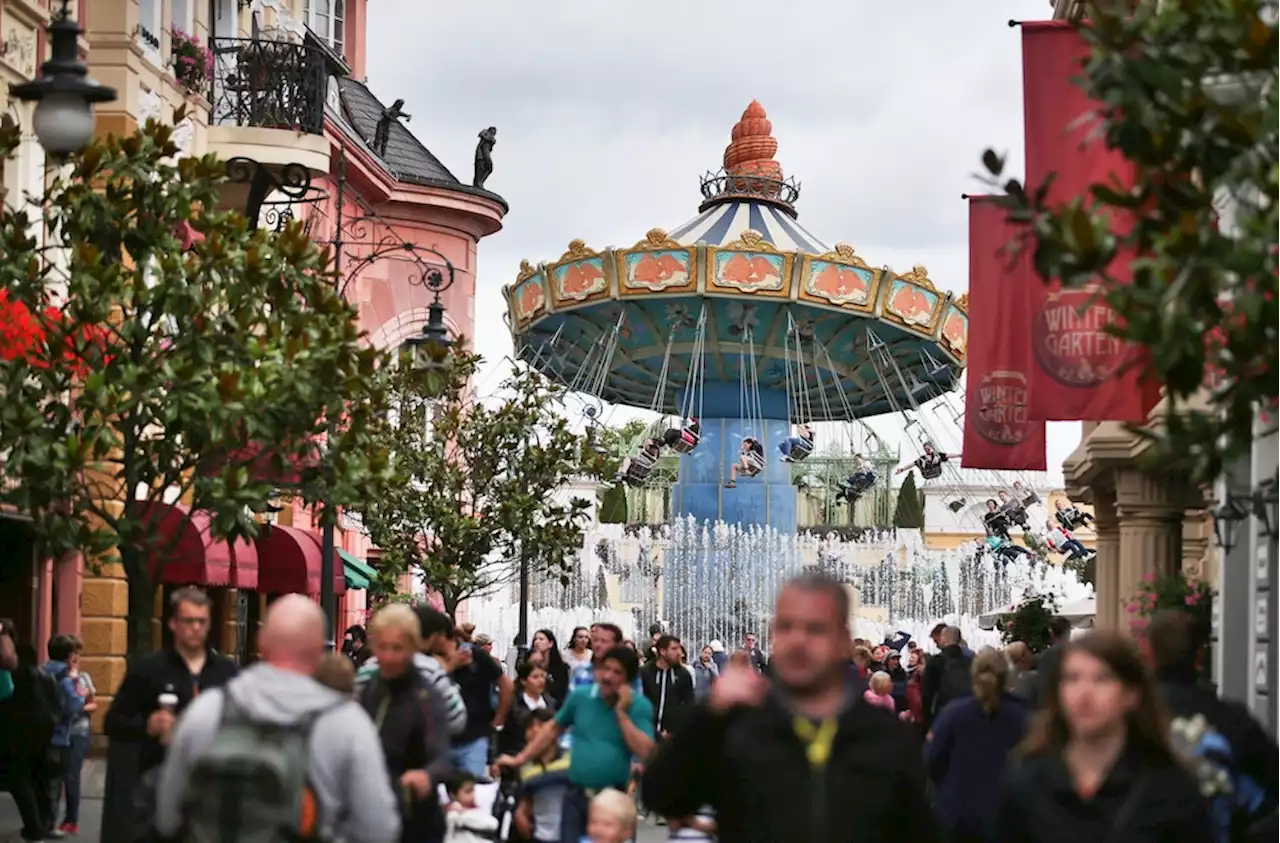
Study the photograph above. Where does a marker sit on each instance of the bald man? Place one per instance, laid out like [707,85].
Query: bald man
[345,768]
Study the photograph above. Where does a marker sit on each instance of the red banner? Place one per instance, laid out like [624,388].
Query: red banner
[1080,371]
[997,431]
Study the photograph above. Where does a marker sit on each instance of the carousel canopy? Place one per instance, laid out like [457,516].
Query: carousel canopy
[739,301]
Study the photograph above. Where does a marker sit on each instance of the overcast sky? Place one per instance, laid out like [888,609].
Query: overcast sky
[608,113]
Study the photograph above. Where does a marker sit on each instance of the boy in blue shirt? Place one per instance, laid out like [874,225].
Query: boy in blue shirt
[71,704]
[611,723]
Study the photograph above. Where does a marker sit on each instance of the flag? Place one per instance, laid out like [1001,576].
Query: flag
[998,433]
[1080,371]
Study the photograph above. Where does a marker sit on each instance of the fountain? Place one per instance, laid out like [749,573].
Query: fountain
[716,581]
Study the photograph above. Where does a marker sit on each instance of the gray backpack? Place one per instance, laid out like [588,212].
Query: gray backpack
[251,784]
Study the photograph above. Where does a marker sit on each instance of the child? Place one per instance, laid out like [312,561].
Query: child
[881,691]
[1063,542]
[543,784]
[337,672]
[466,822]
[612,818]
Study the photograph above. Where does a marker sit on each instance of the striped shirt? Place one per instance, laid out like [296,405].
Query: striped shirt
[437,680]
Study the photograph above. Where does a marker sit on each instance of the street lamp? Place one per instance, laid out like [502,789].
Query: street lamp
[1226,521]
[428,349]
[63,92]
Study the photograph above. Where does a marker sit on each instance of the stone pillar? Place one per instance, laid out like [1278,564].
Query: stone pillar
[1150,509]
[1107,564]
[105,634]
[1197,534]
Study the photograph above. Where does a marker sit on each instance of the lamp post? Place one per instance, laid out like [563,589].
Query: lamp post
[1236,509]
[63,92]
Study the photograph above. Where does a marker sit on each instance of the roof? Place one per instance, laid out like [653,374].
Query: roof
[725,223]
[406,155]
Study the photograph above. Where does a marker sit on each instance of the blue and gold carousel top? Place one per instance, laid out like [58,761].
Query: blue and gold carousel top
[740,294]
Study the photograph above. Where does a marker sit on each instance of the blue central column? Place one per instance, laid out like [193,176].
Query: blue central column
[769,498]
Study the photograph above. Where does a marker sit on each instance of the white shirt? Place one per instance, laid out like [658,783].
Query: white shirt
[533,704]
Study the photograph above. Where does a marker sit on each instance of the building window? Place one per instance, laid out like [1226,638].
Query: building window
[180,17]
[327,19]
[149,29]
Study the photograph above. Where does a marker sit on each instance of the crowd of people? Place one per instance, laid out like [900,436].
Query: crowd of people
[416,731]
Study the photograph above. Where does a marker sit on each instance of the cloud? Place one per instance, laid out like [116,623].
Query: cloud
[607,114]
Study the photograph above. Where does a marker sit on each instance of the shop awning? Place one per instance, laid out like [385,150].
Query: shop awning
[291,562]
[359,574]
[186,553]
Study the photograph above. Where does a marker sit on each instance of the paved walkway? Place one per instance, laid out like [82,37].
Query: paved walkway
[94,778]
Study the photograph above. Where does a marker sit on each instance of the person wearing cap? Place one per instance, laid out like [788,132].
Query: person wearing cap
[897,675]
[718,655]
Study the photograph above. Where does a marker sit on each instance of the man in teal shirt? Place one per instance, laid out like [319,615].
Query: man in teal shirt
[611,723]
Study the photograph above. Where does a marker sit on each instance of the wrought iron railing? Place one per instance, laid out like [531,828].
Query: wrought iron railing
[721,185]
[266,84]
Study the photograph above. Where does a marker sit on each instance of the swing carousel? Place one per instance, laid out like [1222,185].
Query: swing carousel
[741,328]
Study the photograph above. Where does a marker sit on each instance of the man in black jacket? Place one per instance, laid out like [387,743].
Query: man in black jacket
[946,677]
[138,725]
[667,685]
[802,757]
[1175,641]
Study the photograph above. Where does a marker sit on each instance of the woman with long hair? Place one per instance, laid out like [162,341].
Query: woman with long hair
[578,653]
[531,695]
[968,748]
[1096,763]
[544,641]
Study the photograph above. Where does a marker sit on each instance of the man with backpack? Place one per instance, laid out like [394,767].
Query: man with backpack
[69,704]
[28,718]
[946,677]
[276,756]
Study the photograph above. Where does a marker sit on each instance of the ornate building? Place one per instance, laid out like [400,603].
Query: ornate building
[278,82]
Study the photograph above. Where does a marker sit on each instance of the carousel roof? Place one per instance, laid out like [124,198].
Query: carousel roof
[741,279]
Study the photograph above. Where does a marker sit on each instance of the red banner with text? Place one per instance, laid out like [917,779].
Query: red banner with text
[997,431]
[1080,372]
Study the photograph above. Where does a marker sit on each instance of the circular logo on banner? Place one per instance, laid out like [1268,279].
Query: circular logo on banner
[1071,340]
[1002,408]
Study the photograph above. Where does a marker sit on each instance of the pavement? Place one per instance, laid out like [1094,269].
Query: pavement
[93,779]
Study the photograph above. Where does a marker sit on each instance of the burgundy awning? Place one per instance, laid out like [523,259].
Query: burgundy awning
[291,560]
[188,554]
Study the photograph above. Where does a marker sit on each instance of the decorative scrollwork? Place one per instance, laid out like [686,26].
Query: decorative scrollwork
[578,250]
[292,182]
[919,276]
[752,241]
[656,238]
[962,302]
[845,254]
[720,186]
[527,271]
[268,84]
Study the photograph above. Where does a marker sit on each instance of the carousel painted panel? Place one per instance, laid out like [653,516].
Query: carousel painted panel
[913,303]
[656,264]
[580,276]
[955,329]
[749,265]
[840,278]
[529,294]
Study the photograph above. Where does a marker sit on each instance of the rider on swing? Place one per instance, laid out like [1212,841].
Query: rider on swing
[796,448]
[1014,510]
[929,463]
[685,437]
[856,484]
[750,461]
[1069,516]
[635,470]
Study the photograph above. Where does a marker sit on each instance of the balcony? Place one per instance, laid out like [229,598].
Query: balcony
[268,101]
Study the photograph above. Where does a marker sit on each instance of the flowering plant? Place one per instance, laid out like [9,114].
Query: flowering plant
[1029,623]
[1174,591]
[192,62]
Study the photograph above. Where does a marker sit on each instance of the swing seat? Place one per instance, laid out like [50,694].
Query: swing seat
[801,449]
[931,472]
[687,442]
[753,464]
[956,505]
[1031,500]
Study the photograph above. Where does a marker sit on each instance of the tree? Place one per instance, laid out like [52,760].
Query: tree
[611,445]
[1189,95]
[909,514]
[200,362]
[476,482]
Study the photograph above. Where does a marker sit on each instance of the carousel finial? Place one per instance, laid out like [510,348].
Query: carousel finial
[751,151]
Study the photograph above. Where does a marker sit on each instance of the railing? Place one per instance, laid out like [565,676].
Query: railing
[722,185]
[267,84]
